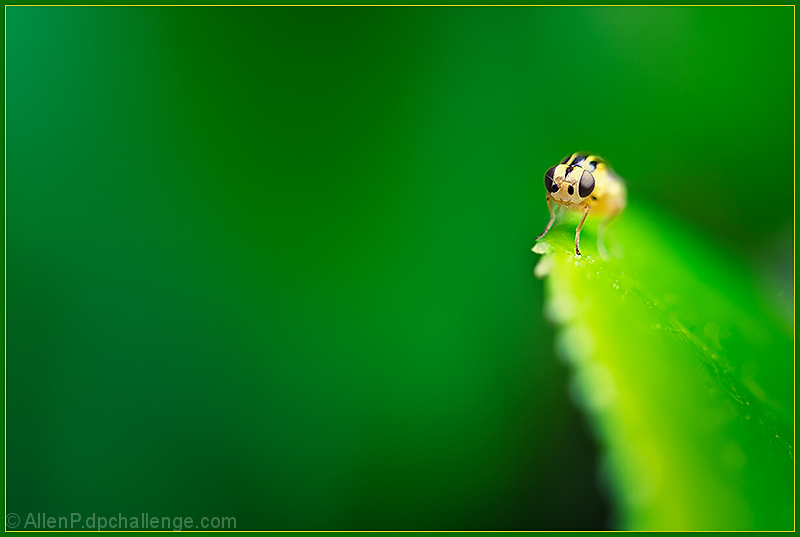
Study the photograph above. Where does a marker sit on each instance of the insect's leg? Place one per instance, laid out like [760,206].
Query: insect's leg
[601,231]
[552,219]
[578,232]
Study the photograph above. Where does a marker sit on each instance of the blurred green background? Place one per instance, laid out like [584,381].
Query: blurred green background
[274,263]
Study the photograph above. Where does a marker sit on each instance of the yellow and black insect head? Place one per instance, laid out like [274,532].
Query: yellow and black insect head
[568,183]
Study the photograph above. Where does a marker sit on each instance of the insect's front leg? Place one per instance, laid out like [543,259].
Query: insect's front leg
[601,234]
[601,243]
[552,218]
[578,232]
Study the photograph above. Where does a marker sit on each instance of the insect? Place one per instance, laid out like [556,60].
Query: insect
[585,183]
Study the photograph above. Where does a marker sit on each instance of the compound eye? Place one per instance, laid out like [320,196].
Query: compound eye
[548,180]
[586,185]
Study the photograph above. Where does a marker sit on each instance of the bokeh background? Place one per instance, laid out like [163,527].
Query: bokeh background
[274,263]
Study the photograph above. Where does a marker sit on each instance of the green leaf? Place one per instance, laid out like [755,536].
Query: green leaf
[686,372]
